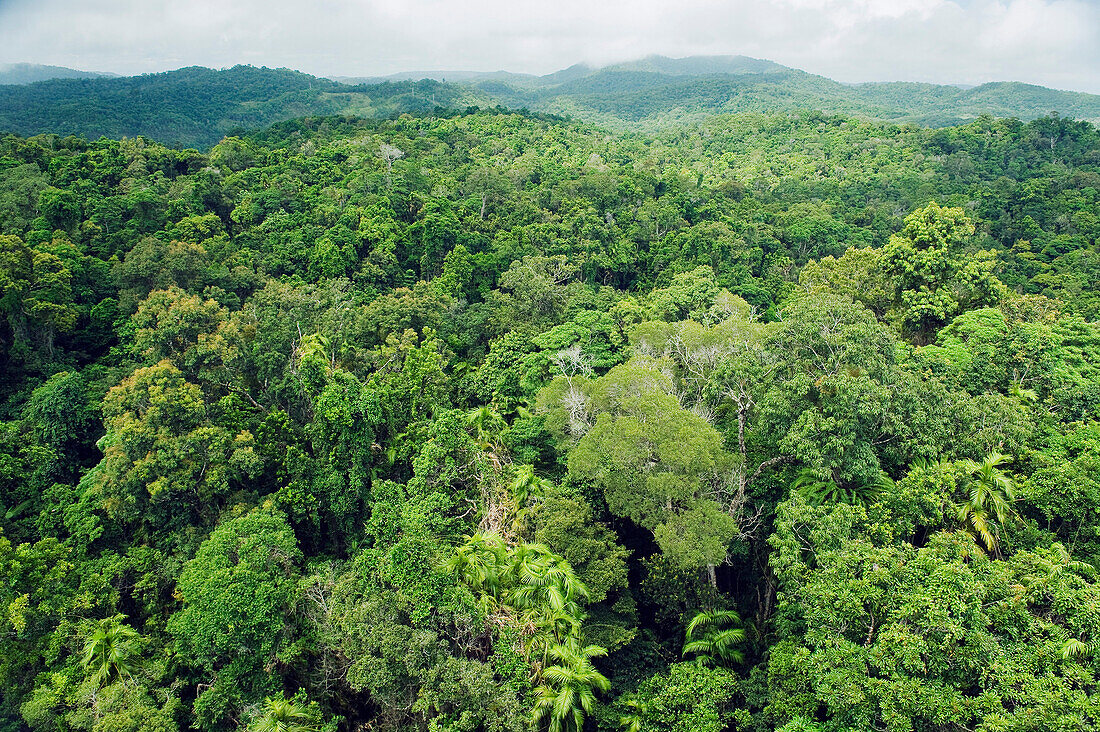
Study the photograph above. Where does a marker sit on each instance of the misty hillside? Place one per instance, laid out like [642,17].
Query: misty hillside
[30,73]
[198,106]
[690,66]
[699,65]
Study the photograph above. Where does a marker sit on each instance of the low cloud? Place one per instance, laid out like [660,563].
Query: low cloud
[1050,42]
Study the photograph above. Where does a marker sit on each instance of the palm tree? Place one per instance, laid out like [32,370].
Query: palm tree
[524,487]
[541,579]
[547,592]
[1074,648]
[568,691]
[632,720]
[527,485]
[282,715]
[316,346]
[818,491]
[537,585]
[991,495]
[711,643]
[109,652]
[488,425]
[482,563]
[1049,566]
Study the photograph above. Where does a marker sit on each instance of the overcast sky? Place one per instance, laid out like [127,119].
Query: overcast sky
[1051,42]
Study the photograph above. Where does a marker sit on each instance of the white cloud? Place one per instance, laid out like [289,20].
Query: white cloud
[1051,42]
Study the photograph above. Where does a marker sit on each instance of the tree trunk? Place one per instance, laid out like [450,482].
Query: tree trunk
[741,409]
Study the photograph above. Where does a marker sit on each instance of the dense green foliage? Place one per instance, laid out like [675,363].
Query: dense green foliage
[658,92]
[198,106]
[499,422]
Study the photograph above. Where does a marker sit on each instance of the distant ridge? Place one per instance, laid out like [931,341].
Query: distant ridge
[31,73]
[699,65]
[197,106]
[441,76]
[690,66]
[658,90]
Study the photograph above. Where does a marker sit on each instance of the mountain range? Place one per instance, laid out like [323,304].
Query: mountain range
[196,106]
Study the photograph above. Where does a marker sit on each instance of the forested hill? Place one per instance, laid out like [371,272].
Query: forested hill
[939,105]
[197,107]
[659,91]
[502,423]
[652,101]
[30,73]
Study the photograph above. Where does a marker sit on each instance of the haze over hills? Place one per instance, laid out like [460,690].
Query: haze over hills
[197,106]
[689,66]
[30,73]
